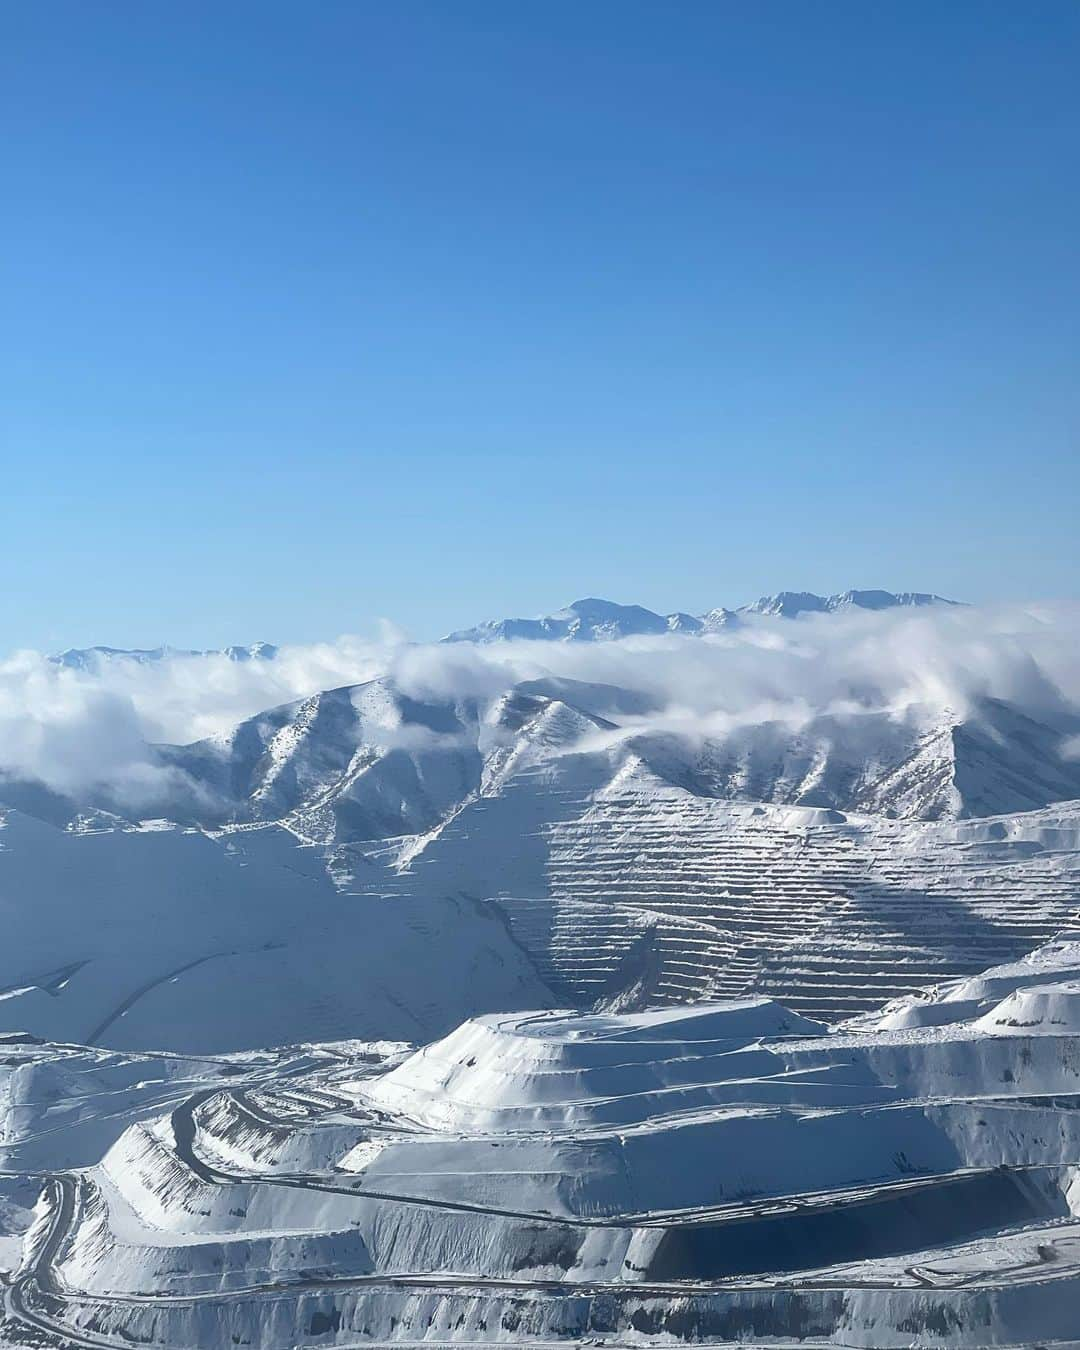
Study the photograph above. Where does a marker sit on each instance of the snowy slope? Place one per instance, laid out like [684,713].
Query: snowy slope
[159,938]
[920,762]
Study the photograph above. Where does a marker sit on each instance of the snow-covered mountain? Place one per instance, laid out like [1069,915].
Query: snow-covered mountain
[589,620]
[922,763]
[161,937]
[93,658]
[790,604]
[369,762]
[595,620]
[600,831]
[376,761]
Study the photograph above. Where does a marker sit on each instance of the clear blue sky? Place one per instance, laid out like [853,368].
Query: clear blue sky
[318,312]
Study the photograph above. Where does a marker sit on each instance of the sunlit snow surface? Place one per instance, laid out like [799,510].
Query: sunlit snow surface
[592,1032]
[725,1172]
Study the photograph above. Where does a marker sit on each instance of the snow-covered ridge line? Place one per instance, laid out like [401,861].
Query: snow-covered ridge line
[90,659]
[589,620]
[371,761]
[595,620]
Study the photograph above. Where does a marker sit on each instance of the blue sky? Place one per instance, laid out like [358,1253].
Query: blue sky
[317,313]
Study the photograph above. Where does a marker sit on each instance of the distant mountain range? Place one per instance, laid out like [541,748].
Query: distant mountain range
[93,658]
[594,620]
[790,604]
[589,620]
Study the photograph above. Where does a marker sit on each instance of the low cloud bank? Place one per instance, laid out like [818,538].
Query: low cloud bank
[74,730]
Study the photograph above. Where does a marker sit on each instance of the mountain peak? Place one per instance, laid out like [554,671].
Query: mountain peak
[787,604]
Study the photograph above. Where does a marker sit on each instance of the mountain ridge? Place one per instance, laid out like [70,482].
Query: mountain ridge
[591,619]
[91,659]
[369,761]
[596,620]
